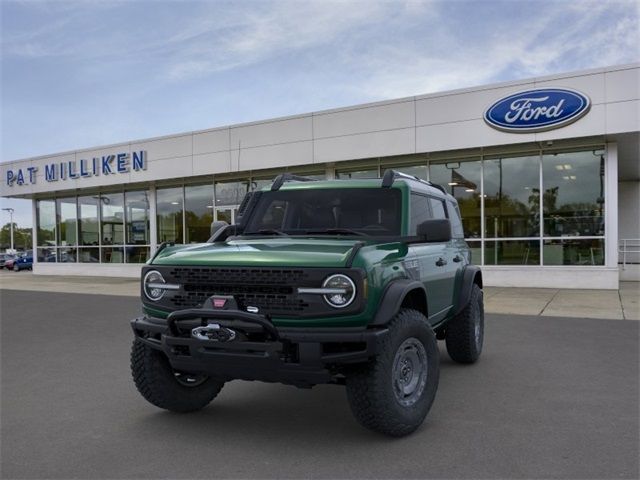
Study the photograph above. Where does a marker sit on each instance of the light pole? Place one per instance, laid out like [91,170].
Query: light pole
[10,210]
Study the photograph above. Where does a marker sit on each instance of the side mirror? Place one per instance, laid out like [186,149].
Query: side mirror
[435,230]
[217,226]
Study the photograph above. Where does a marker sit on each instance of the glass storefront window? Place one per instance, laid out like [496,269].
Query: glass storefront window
[112,255]
[67,221]
[231,192]
[137,218]
[137,254]
[67,255]
[512,197]
[47,254]
[169,211]
[198,210]
[573,199]
[89,255]
[353,174]
[512,252]
[476,251]
[573,251]
[88,231]
[112,218]
[46,222]
[462,180]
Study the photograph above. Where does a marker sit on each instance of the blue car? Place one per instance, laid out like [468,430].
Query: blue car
[23,262]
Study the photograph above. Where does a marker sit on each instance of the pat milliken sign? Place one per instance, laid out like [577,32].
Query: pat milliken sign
[537,110]
[115,164]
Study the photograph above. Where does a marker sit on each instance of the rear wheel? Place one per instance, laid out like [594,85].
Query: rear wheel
[166,388]
[465,333]
[393,394]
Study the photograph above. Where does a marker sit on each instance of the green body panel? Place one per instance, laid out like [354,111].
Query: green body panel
[383,261]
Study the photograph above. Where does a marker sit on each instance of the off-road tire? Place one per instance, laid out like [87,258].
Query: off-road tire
[155,380]
[370,387]
[16,268]
[464,342]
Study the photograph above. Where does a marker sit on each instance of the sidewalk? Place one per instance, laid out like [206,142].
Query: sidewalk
[612,304]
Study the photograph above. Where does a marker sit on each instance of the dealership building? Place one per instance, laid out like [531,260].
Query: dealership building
[546,172]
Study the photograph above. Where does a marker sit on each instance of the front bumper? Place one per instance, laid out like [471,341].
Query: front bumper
[298,356]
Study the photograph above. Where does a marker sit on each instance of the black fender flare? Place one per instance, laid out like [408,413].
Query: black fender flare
[470,276]
[393,296]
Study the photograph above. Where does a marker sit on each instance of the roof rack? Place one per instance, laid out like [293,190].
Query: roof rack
[287,177]
[391,175]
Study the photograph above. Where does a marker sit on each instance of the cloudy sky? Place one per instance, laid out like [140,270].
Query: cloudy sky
[84,73]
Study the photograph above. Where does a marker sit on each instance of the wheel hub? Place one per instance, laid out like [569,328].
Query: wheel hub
[409,372]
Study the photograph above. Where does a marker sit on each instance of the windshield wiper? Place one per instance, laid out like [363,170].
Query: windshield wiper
[337,231]
[267,231]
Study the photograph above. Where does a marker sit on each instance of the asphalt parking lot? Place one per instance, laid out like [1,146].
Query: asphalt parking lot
[550,398]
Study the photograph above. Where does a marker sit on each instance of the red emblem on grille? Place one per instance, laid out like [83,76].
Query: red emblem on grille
[219,302]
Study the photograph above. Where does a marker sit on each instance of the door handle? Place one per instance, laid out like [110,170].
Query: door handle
[457,258]
[441,262]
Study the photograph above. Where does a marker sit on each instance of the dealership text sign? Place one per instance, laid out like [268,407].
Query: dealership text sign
[96,166]
[537,110]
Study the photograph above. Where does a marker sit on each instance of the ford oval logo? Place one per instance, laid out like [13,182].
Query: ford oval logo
[537,110]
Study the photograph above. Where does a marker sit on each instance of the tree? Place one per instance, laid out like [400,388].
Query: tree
[21,237]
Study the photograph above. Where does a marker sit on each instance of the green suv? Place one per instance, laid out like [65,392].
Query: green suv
[349,282]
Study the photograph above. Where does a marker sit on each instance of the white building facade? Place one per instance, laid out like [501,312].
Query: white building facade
[546,172]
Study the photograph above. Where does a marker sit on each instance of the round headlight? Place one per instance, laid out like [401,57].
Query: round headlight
[342,290]
[150,285]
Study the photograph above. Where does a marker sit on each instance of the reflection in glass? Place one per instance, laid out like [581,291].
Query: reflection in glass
[476,251]
[112,218]
[231,193]
[137,254]
[512,252]
[573,199]
[112,255]
[137,217]
[169,211]
[462,180]
[346,174]
[512,197]
[88,220]
[67,255]
[46,222]
[573,251]
[67,218]
[47,254]
[89,255]
[198,210]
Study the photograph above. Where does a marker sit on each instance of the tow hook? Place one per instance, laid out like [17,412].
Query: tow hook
[213,332]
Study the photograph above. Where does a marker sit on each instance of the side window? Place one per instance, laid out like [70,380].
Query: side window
[437,207]
[456,223]
[420,211]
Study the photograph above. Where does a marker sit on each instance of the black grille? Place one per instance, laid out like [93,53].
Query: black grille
[273,291]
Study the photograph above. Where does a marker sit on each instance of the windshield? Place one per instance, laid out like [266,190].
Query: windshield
[338,211]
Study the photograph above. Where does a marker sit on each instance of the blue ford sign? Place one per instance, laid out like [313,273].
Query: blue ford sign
[537,110]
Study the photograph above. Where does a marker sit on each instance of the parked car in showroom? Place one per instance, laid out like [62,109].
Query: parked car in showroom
[5,257]
[23,262]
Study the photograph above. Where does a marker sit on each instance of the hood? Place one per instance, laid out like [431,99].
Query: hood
[271,251]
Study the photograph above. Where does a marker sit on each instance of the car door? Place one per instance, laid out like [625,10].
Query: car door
[448,261]
[432,261]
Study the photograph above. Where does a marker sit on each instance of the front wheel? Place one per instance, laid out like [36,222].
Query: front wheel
[16,268]
[166,388]
[393,394]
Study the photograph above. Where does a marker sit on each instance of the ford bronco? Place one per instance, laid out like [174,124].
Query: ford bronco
[347,282]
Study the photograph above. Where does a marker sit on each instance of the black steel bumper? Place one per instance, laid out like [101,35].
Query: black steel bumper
[299,356]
